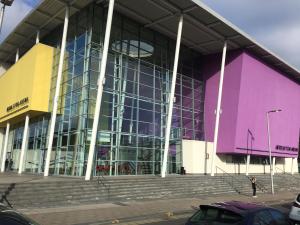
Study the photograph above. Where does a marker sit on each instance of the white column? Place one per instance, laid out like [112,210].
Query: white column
[17,55]
[1,142]
[292,169]
[4,151]
[247,165]
[270,154]
[171,99]
[37,39]
[57,89]
[218,111]
[100,90]
[1,16]
[274,168]
[24,142]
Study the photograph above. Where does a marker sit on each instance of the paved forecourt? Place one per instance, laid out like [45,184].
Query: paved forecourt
[141,212]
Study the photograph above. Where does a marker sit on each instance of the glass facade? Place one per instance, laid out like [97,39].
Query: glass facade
[35,145]
[130,139]
[14,143]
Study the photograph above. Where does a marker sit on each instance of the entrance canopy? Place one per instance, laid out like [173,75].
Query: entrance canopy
[203,29]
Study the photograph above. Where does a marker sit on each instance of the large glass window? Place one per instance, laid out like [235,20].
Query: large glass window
[35,145]
[131,128]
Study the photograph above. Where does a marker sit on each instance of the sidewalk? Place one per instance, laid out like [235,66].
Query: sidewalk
[139,210]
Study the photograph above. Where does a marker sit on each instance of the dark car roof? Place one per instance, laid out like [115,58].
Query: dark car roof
[4,210]
[2,207]
[237,206]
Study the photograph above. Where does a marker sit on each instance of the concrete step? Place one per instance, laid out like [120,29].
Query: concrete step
[44,193]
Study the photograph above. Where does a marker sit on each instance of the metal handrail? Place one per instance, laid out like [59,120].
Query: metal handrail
[231,179]
[235,187]
[10,188]
[101,180]
[277,168]
[291,175]
[6,193]
[36,164]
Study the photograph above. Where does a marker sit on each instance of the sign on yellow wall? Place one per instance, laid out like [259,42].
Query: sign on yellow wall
[25,87]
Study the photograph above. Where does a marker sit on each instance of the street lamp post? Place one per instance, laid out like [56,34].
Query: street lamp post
[5,3]
[269,146]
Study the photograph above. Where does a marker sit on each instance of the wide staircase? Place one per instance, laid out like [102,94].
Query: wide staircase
[56,191]
[40,192]
[282,182]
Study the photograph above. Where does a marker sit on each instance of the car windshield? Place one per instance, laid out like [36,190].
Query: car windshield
[215,216]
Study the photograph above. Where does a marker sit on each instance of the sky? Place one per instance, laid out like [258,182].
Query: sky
[14,14]
[273,23]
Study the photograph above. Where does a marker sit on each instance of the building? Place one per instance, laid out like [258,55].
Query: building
[109,92]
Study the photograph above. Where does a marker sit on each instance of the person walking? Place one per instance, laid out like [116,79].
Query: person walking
[6,164]
[10,164]
[253,182]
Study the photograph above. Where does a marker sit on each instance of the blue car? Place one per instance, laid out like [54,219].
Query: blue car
[238,213]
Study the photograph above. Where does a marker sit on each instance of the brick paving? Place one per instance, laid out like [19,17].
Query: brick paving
[117,212]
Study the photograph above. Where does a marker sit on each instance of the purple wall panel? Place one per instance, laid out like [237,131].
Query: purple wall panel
[211,79]
[250,89]
[264,89]
[231,87]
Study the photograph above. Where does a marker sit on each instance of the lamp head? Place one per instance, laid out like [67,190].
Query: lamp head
[7,2]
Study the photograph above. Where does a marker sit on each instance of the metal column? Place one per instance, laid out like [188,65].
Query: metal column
[120,110]
[270,154]
[171,98]
[112,145]
[100,90]
[17,56]
[4,151]
[1,143]
[247,165]
[57,89]
[292,169]
[24,142]
[218,111]
[273,161]
[37,39]
[1,16]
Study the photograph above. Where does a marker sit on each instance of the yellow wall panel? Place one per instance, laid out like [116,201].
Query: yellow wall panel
[29,79]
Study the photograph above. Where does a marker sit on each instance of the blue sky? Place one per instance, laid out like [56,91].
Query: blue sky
[273,23]
[14,14]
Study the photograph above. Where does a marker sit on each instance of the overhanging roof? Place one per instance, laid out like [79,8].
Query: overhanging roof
[203,30]
[45,17]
